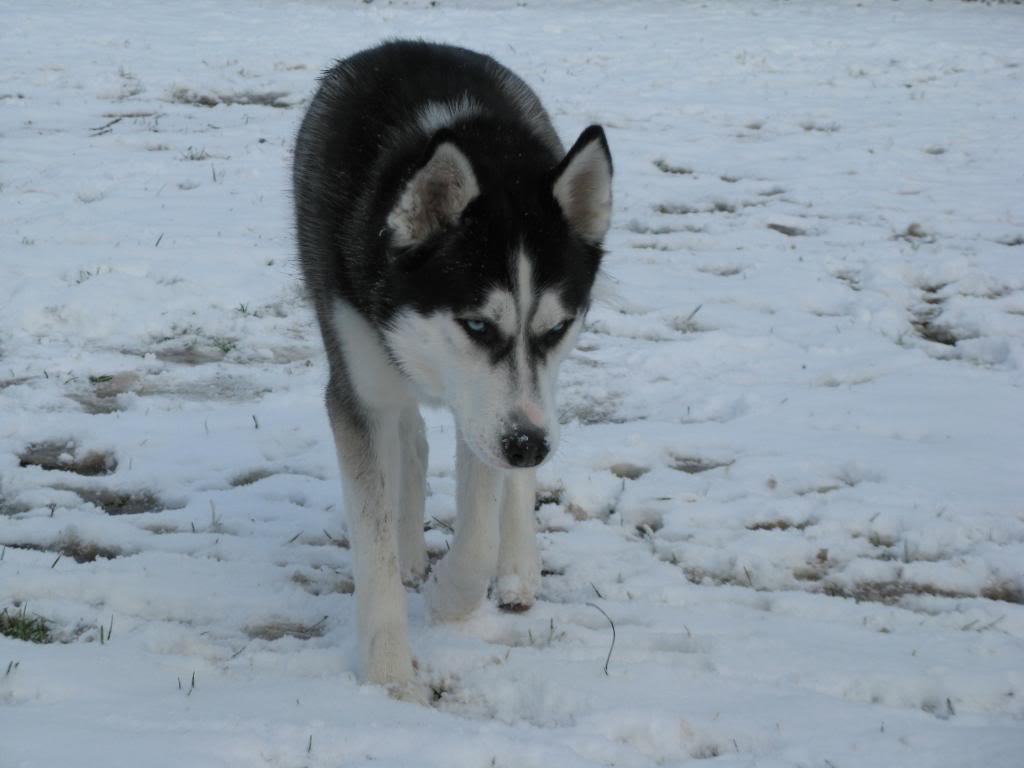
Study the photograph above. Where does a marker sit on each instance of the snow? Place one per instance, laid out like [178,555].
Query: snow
[790,469]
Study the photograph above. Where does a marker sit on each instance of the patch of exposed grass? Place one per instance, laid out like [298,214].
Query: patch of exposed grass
[648,522]
[788,231]
[191,354]
[677,170]
[876,539]
[161,529]
[820,489]
[778,525]
[276,99]
[676,209]
[224,343]
[275,630]
[335,586]
[924,323]
[915,232]
[705,751]
[14,382]
[688,325]
[641,228]
[720,270]
[21,626]
[811,125]
[195,154]
[250,477]
[103,396]
[886,592]
[628,471]
[61,456]
[693,465]
[69,544]
[120,502]
[851,279]
[191,345]
[548,496]
[1006,591]
[808,573]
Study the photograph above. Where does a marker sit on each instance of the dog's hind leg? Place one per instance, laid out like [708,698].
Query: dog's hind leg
[459,582]
[412,547]
[518,560]
[368,453]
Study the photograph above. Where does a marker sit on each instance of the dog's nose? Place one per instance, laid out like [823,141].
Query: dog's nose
[525,446]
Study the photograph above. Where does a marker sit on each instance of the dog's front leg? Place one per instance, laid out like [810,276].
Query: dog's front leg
[518,560]
[412,547]
[368,453]
[459,582]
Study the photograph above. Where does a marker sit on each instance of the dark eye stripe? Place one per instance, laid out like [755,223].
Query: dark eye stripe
[481,331]
[552,335]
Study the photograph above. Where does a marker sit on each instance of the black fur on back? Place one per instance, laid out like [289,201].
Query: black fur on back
[360,143]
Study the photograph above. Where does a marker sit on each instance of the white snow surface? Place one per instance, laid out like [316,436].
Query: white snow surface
[794,426]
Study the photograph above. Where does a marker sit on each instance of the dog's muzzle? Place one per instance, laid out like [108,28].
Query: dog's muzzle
[525,446]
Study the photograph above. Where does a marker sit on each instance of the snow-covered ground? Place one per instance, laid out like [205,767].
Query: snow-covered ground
[791,470]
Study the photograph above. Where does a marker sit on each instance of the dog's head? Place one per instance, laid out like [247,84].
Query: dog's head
[493,260]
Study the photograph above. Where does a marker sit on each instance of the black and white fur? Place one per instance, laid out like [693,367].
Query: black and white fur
[449,244]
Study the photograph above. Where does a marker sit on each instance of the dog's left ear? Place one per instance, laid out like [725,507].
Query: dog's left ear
[583,185]
[436,195]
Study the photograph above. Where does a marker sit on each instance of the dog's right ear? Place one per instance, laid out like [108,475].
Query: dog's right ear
[436,195]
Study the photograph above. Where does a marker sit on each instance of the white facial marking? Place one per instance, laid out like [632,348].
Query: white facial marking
[500,309]
[524,303]
[533,412]
[436,115]
[447,367]
[524,285]
[550,312]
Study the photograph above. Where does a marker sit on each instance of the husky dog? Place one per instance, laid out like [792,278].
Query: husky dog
[449,245]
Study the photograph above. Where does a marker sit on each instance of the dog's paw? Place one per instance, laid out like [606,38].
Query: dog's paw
[413,576]
[445,601]
[515,594]
[387,659]
[413,561]
[411,691]
[514,607]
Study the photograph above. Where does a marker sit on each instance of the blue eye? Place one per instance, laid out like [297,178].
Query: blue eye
[555,333]
[479,330]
